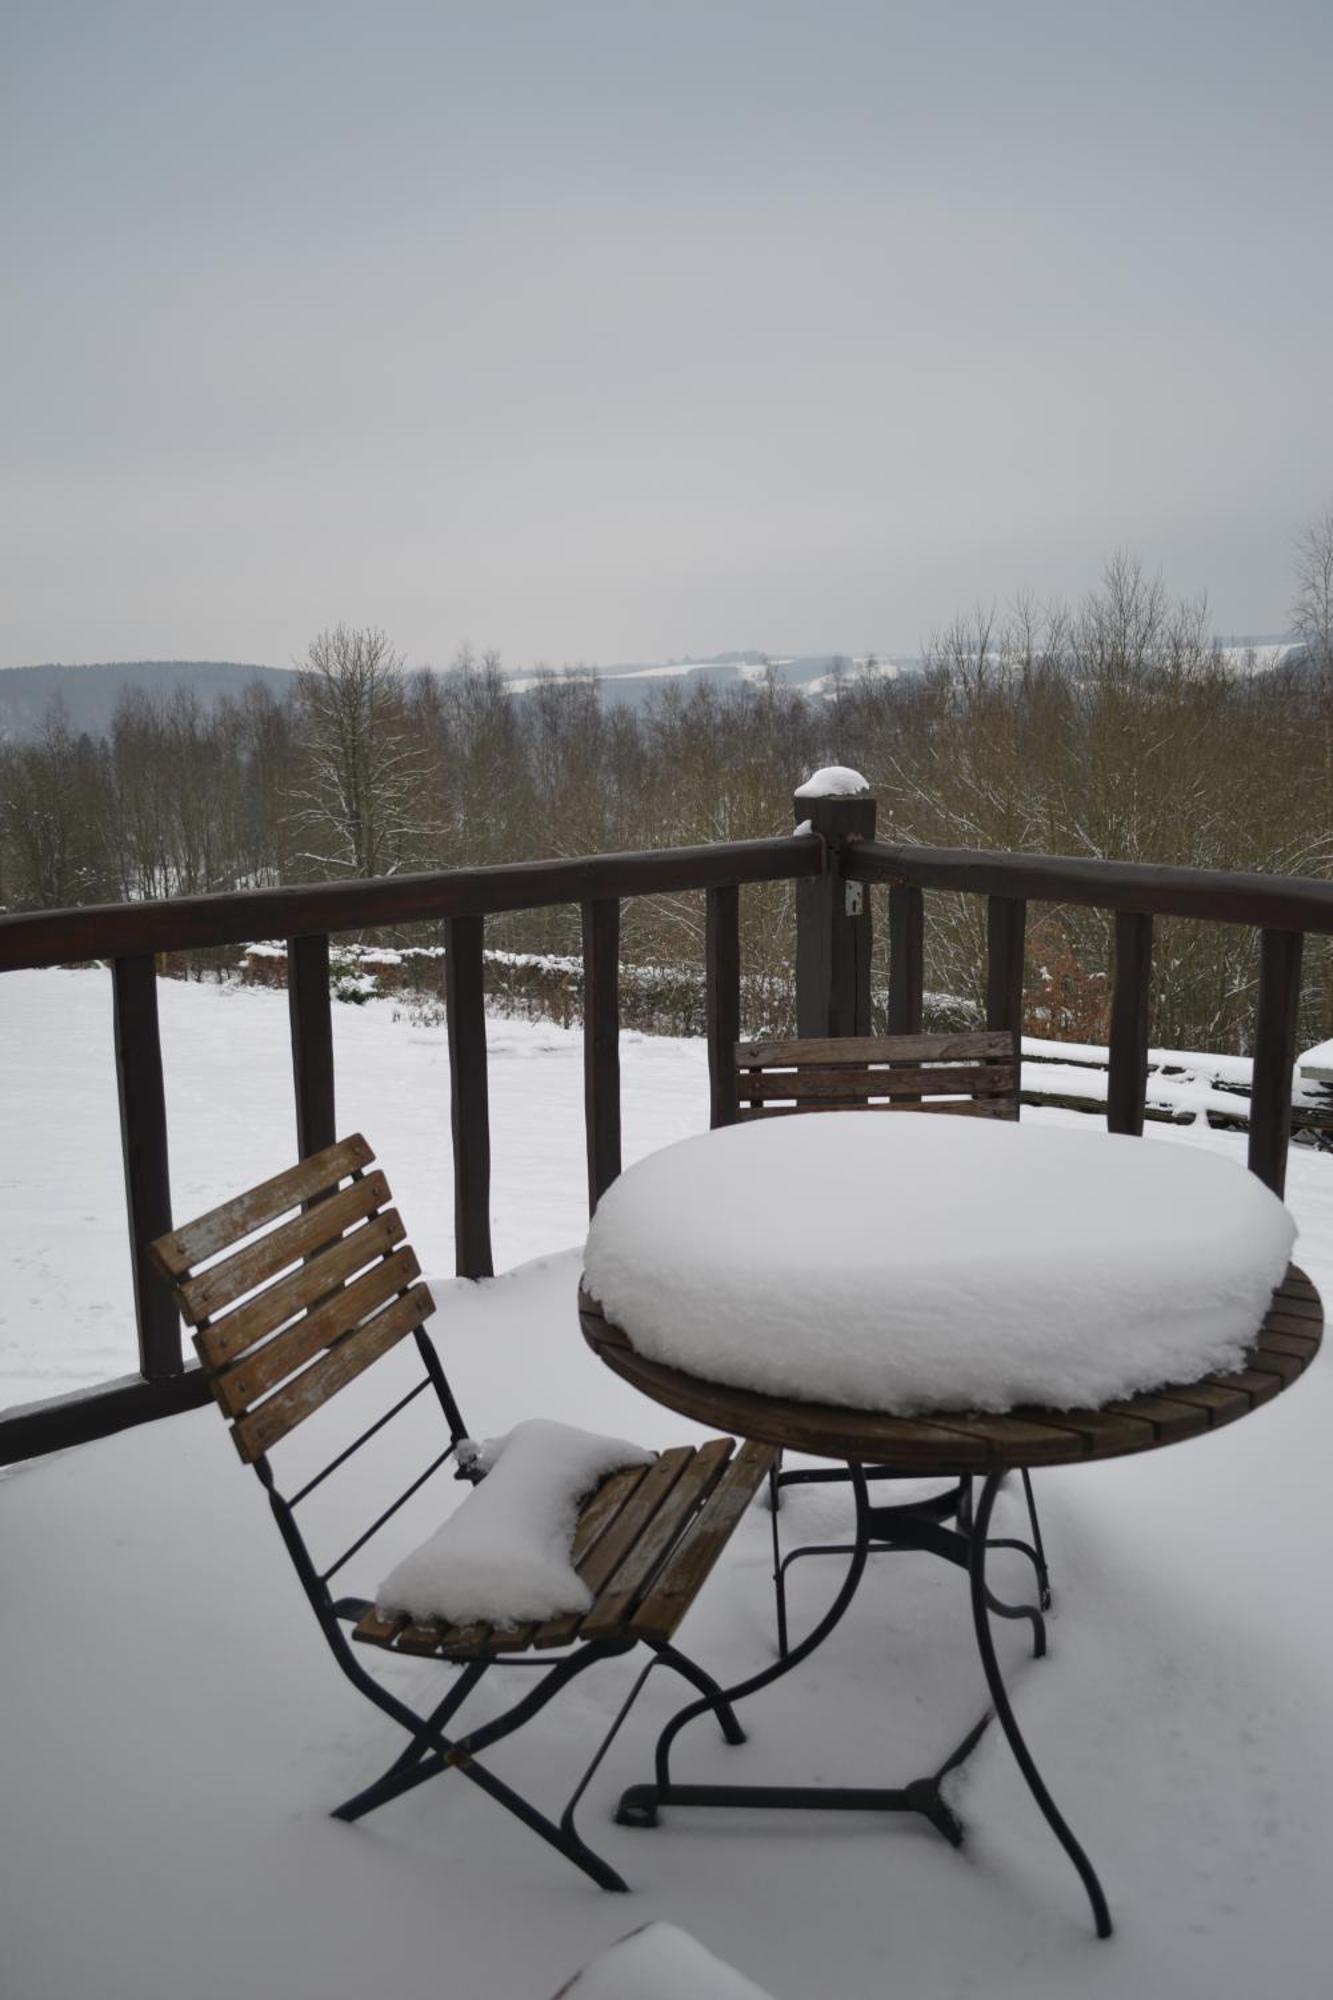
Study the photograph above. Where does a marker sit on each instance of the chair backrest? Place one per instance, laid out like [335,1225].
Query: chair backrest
[975,1074]
[294,1288]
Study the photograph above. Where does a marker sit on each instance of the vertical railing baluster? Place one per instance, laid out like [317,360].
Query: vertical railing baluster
[1127,1071]
[312,1042]
[722,973]
[601,1043]
[907,959]
[1274,1054]
[1006,924]
[469,1111]
[143,1140]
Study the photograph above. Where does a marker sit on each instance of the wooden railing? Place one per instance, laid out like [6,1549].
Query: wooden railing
[130,936]
[834,867]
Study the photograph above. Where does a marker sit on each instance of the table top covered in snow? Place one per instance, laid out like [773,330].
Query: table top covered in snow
[947,1292]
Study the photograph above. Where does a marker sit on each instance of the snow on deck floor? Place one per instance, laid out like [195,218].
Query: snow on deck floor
[175,1732]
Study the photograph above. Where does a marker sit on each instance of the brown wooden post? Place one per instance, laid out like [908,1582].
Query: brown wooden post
[1127,1071]
[143,1139]
[833,928]
[907,959]
[722,973]
[1274,1055]
[312,1042]
[1006,923]
[469,1109]
[601,1043]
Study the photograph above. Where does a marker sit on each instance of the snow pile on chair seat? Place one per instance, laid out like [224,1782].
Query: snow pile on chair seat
[660,1962]
[910,1262]
[502,1558]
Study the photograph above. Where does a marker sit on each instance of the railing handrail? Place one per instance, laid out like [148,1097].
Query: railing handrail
[242,916]
[1270,902]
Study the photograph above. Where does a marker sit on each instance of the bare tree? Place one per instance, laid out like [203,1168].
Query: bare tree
[1312,611]
[359,798]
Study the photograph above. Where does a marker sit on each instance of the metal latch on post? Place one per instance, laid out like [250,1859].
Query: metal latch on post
[854,898]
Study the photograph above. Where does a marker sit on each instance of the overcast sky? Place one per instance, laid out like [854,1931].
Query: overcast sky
[613,331]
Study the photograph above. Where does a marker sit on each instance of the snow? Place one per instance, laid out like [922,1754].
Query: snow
[660,1962]
[916,1262]
[504,1555]
[1317,1063]
[836,781]
[175,1732]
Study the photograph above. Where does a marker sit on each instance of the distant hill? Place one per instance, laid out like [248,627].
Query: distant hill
[90,693]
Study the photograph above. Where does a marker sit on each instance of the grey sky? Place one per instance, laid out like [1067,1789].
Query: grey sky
[609,331]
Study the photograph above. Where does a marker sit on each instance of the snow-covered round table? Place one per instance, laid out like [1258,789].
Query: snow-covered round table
[801,1281]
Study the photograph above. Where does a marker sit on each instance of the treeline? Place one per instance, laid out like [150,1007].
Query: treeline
[1117,729]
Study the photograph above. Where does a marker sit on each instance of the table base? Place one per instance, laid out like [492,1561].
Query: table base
[640,1804]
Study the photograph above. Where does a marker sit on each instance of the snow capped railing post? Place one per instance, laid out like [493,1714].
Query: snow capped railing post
[833,929]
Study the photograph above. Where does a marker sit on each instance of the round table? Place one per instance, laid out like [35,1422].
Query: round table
[957,1444]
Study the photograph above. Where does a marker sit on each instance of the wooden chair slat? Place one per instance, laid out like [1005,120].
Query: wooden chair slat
[960,1107]
[260,1371]
[224,1339]
[206,1294]
[633,1576]
[596,1517]
[906,1080]
[683,1575]
[300,1398]
[376,1631]
[858,1049]
[181,1249]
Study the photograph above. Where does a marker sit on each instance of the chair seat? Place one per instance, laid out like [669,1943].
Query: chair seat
[645,1543]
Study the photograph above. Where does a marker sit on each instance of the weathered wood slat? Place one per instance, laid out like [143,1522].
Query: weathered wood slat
[1042,1440]
[903,1080]
[1171,1420]
[697,1478]
[377,1631]
[263,1368]
[183,1248]
[224,1339]
[207,1293]
[601,1045]
[962,1107]
[469,1100]
[691,1561]
[299,1399]
[596,1517]
[1107,1435]
[856,1050]
[722,977]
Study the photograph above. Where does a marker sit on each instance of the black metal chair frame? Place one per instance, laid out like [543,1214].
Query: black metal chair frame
[430,1749]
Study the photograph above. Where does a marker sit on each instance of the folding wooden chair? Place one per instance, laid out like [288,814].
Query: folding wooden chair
[295,1289]
[968,1075]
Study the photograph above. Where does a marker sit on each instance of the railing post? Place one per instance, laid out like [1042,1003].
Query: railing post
[907,958]
[1127,1064]
[601,1043]
[312,1042]
[722,979]
[469,1102]
[1274,1055]
[833,929]
[143,1139]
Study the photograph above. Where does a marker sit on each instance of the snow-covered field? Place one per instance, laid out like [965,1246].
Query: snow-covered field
[174,1731]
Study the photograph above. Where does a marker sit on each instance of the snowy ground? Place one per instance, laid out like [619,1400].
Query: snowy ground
[175,1732]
